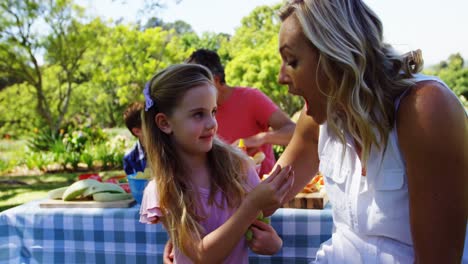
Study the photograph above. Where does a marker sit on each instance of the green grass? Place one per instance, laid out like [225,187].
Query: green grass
[36,187]
[11,153]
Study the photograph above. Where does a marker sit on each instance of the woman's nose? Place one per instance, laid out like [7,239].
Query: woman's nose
[282,76]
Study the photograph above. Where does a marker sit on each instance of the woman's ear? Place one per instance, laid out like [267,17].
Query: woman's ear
[163,123]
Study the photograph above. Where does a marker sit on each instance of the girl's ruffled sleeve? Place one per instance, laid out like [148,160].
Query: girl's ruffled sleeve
[150,211]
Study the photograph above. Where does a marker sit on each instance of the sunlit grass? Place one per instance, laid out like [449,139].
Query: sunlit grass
[12,153]
[13,192]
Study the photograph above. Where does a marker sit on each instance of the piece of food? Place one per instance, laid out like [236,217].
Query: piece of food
[103,187]
[249,233]
[265,220]
[143,175]
[91,176]
[56,194]
[126,187]
[119,174]
[109,197]
[77,189]
[241,145]
[112,180]
[315,185]
[260,216]
[259,157]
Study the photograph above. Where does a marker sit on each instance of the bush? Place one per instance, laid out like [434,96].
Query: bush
[105,156]
[76,140]
[69,150]
[3,165]
[38,160]
[12,154]
[87,158]
[72,158]
[43,139]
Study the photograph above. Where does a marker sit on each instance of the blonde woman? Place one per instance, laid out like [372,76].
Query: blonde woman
[204,192]
[391,143]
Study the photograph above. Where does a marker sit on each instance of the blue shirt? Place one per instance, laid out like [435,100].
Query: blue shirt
[134,160]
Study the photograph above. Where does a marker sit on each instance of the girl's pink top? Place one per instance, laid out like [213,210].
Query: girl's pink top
[216,216]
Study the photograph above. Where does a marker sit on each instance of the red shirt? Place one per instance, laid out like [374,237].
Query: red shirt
[245,113]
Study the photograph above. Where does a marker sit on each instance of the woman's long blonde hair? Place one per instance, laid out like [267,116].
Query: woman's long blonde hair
[178,199]
[365,74]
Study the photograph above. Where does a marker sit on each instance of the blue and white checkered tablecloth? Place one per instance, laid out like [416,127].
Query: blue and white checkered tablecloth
[30,234]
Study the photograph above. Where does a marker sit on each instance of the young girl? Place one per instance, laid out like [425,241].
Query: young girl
[203,190]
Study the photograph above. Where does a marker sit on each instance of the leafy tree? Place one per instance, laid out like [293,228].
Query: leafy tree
[124,60]
[153,22]
[22,47]
[150,7]
[17,108]
[454,74]
[208,40]
[180,27]
[255,58]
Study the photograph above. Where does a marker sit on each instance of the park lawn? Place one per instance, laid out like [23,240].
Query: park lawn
[14,193]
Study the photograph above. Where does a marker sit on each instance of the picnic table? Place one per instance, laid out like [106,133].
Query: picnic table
[31,234]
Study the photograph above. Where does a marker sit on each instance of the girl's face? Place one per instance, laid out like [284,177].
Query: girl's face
[193,121]
[299,67]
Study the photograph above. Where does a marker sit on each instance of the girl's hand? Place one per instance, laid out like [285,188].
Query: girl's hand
[265,240]
[168,255]
[272,191]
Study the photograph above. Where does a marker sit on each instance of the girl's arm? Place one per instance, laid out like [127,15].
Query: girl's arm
[433,135]
[217,245]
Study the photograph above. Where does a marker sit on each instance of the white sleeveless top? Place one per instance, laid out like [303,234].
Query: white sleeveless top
[371,214]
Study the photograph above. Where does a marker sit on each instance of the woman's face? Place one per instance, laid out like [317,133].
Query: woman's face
[299,68]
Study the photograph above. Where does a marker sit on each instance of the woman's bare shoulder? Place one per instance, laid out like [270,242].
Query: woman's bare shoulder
[431,119]
[429,101]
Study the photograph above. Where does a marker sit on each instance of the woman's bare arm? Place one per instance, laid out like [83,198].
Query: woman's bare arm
[302,153]
[433,136]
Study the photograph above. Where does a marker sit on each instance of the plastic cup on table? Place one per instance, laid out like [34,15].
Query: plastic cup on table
[137,187]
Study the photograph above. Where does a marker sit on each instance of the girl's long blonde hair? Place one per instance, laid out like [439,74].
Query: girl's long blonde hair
[365,74]
[178,199]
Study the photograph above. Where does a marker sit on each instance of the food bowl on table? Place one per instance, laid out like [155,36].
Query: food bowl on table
[137,186]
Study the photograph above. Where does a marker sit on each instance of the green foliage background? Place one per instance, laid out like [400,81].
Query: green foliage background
[85,71]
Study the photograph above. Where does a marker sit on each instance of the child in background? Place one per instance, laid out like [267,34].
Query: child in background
[134,160]
[203,191]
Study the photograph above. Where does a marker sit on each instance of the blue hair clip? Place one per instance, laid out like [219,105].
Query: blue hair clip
[148,101]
